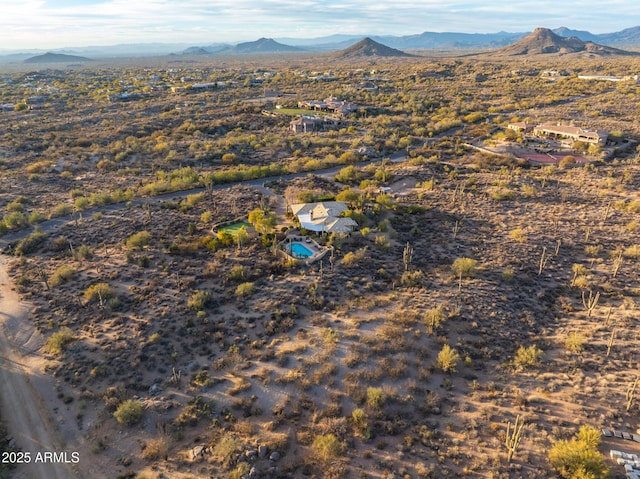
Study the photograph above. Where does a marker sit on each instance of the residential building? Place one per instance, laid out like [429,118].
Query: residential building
[324,217]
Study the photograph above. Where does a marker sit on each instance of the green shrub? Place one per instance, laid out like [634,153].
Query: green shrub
[518,235]
[15,220]
[99,292]
[448,359]
[58,341]
[226,448]
[129,412]
[575,342]
[244,289]
[375,397]
[199,300]
[61,275]
[138,240]
[464,267]
[31,243]
[62,209]
[579,457]
[433,318]
[411,279]
[527,357]
[327,447]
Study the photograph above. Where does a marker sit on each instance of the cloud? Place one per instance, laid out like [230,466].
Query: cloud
[75,22]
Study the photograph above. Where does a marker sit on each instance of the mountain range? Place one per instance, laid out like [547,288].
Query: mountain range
[545,42]
[628,38]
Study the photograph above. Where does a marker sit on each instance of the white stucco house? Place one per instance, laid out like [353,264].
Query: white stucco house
[324,217]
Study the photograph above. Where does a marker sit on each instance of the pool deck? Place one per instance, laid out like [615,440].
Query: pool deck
[317,250]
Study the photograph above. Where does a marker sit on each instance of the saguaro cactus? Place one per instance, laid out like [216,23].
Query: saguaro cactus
[514,435]
[631,393]
[590,302]
[407,256]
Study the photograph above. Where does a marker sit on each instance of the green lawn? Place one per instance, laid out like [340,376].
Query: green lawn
[233,228]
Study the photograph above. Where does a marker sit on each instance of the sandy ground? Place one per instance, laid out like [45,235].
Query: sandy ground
[23,406]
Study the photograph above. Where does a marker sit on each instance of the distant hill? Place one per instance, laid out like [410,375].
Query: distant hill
[581,34]
[56,58]
[544,42]
[262,45]
[629,37]
[369,48]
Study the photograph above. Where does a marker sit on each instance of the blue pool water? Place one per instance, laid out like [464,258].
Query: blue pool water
[300,251]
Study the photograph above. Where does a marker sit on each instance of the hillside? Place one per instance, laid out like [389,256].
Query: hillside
[369,48]
[56,58]
[544,42]
[262,45]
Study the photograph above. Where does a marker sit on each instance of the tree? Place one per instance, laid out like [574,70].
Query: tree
[262,220]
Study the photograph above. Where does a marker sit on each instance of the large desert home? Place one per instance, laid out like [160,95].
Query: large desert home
[574,133]
[324,217]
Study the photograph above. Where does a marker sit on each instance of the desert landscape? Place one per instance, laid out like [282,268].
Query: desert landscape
[480,321]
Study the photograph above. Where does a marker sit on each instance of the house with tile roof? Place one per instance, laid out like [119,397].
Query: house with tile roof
[324,217]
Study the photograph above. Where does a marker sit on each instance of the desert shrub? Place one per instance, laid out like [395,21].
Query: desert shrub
[508,274]
[518,235]
[138,240]
[527,357]
[433,317]
[157,448]
[31,243]
[353,258]
[198,300]
[226,448]
[411,279]
[191,200]
[360,423]
[129,412]
[99,292]
[62,209]
[15,220]
[528,191]
[632,252]
[244,289]
[464,267]
[582,282]
[36,217]
[579,458]
[327,447]
[502,194]
[39,166]
[241,470]
[447,359]
[575,342]
[593,250]
[58,341]
[61,275]
[375,397]
[206,217]
[237,273]
[84,252]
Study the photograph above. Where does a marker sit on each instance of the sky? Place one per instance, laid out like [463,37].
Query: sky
[49,24]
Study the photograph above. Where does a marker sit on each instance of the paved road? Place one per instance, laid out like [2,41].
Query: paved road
[55,223]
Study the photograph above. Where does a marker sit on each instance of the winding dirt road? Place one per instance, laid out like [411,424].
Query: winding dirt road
[27,419]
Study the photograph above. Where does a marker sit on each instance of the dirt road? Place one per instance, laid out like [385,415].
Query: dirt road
[27,420]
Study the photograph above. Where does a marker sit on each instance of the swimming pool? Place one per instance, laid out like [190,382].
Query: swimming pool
[298,250]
